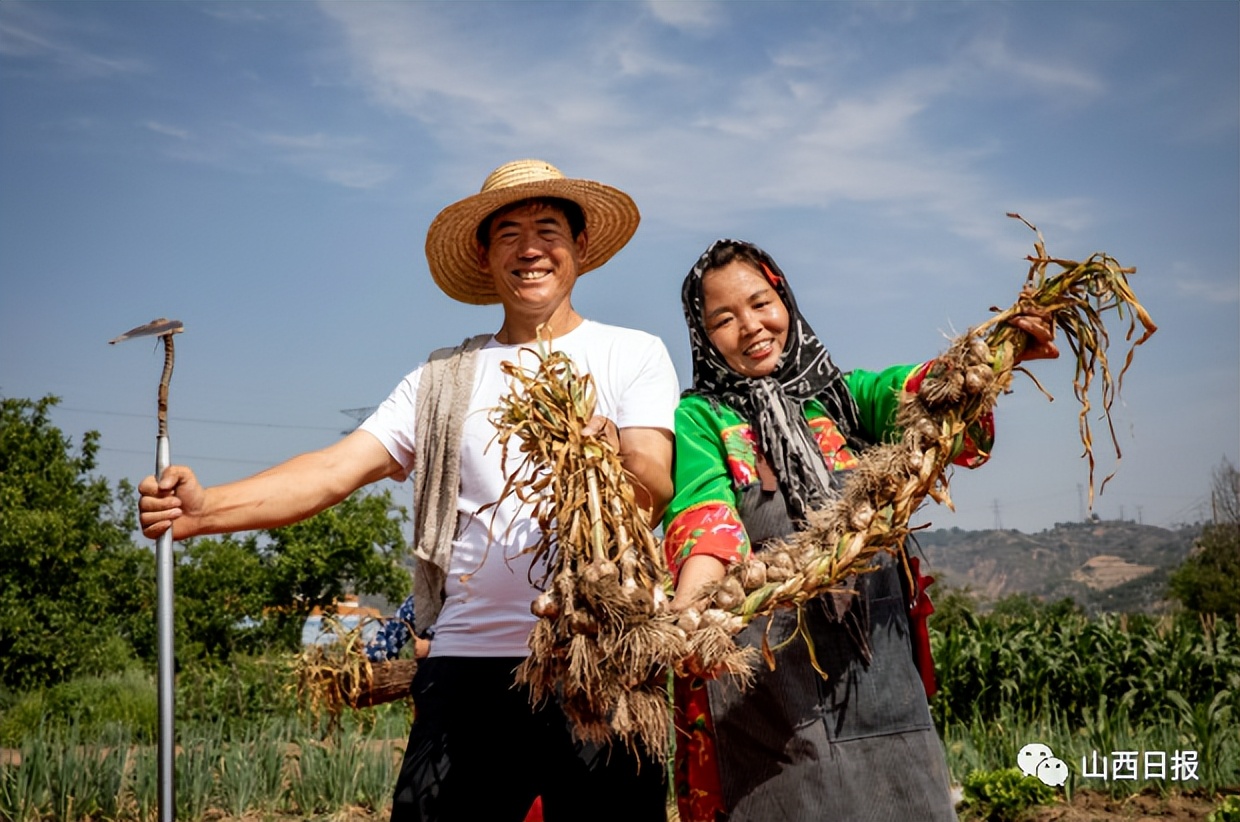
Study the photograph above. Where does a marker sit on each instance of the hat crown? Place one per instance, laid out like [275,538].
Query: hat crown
[519,172]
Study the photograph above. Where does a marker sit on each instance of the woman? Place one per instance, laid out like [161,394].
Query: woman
[766,434]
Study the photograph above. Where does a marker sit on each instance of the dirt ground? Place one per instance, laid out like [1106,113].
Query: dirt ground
[1087,806]
[1091,806]
[1084,808]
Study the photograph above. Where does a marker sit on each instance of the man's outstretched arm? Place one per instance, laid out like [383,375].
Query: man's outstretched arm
[290,492]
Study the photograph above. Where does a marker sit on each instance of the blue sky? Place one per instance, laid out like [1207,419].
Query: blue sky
[266,173]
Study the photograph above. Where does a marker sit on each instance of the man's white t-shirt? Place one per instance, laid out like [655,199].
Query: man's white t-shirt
[490,582]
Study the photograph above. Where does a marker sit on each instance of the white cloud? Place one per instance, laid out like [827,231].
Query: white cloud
[27,33]
[1211,291]
[309,142]
[686,15]
[637,62]
[478,92]
[794,127]
[411,61]
[236,13]
[170,131]
[1046,69]
[339,159]
[358,174]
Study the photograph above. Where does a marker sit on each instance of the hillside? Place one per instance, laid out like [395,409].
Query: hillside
[1105,565]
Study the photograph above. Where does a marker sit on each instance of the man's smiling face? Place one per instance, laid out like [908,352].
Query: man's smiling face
[532,257]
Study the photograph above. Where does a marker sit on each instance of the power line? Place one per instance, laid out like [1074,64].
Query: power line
[359,415]
[183,457]
[174,418]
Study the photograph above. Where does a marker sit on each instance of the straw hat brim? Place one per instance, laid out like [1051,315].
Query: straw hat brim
[451,241]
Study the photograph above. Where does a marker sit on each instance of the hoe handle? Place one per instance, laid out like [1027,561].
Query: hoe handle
[164,561]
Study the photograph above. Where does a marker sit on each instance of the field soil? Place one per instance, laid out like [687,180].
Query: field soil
[1086,806]
[1094,806]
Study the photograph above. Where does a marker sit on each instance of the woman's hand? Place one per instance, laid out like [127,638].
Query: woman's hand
[698,571]
[1041,331]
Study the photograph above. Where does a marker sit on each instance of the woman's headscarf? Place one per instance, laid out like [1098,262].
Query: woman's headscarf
[774,405]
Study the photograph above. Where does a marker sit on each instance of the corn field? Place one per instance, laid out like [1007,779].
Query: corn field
[1115,683]
[1065,667]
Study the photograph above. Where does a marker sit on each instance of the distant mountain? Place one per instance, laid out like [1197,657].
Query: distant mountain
[1103,565]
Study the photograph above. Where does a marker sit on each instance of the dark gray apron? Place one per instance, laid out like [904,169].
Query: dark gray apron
[859,745]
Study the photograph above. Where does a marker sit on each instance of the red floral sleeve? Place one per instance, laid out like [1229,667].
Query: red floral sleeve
[710,528]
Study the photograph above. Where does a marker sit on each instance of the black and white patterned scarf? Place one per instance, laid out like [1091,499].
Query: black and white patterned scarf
[774,405]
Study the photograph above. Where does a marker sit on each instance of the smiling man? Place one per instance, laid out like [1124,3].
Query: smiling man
[477,749]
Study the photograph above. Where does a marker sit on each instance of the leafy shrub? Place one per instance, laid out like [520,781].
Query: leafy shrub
[1227,811]
[245,690]
[91,705]
[1003,795]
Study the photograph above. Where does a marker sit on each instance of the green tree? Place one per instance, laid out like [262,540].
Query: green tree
[220,596]
[1209,580]
[954,608]
[76,595]
[253,592]
[1025,606]
[354,546]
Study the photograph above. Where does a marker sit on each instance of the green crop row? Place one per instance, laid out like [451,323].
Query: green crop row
[59,777]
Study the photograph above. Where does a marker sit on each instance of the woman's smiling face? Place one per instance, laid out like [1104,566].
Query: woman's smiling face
[744,317]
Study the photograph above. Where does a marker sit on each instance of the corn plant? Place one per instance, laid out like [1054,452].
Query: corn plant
[1066,665]
[1086,686]
[1207,728]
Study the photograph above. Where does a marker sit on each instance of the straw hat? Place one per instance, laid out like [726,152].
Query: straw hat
[451,241]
